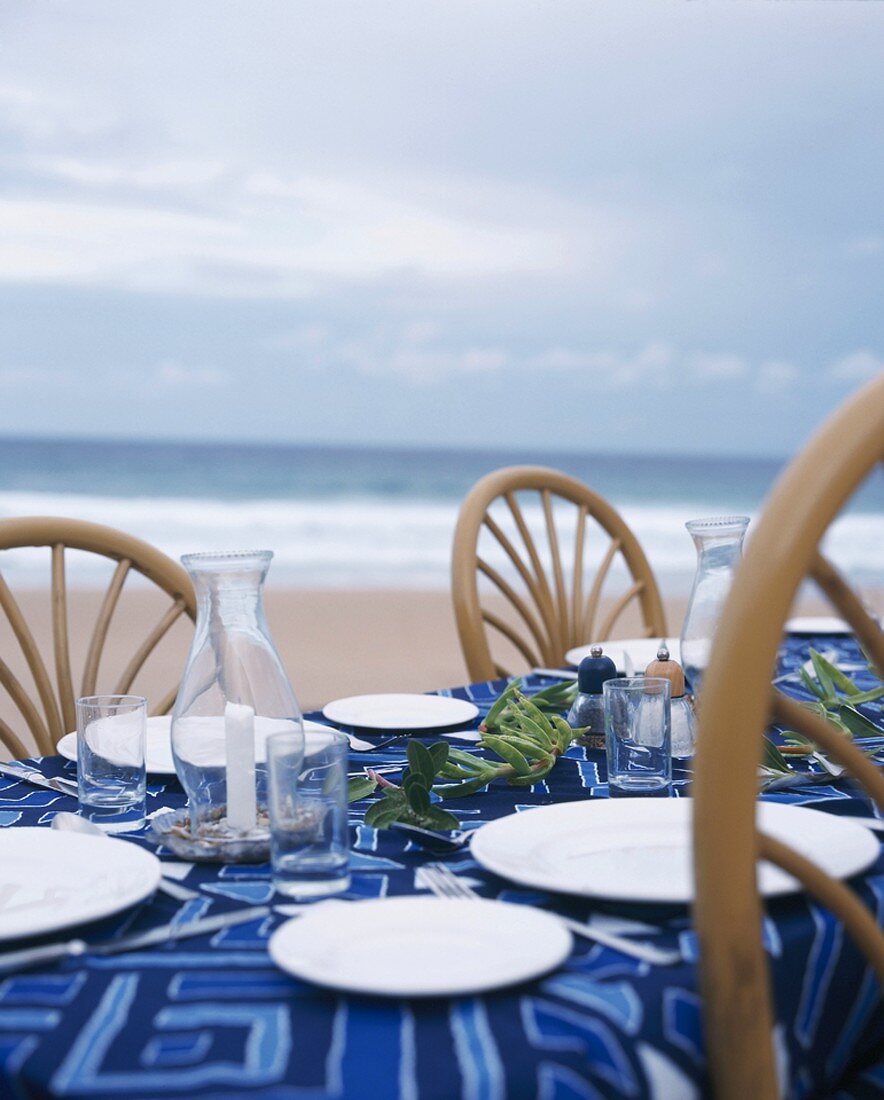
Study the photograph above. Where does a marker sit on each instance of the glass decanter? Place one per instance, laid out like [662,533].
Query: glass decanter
[233,696]
[719,543]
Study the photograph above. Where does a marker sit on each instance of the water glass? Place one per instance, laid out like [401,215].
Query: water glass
[638,735]
[307,799]
[111,774]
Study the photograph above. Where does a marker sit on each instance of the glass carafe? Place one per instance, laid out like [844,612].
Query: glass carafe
[719,543]
[234,694]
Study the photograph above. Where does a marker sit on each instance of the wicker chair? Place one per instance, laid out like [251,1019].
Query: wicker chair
[548,616]
[51,713]
[734,711]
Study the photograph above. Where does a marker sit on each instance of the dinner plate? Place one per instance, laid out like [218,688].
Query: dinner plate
[817,624]
[639,849]
[50,879]
[158,742]
[420,946]
[641,650]
[400,712]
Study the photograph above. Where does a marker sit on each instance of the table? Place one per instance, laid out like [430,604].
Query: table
[212,1017]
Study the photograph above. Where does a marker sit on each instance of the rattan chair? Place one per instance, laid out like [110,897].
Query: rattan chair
[548,615]
[736,705]
[51,713]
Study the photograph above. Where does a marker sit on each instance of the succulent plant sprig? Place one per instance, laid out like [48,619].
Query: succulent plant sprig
[525,736]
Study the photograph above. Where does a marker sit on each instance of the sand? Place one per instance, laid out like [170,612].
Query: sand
[333,643]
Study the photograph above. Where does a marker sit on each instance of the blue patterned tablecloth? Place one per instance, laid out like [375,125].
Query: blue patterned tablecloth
[212,1017]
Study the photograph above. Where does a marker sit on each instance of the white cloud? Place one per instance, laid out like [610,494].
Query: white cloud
[260,235]
[722,367]
[176,375]
[868,244]
[857,366]
[776,375]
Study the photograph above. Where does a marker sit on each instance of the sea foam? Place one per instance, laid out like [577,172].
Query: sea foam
[373,541]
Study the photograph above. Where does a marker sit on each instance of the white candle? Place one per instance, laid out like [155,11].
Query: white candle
[239,740]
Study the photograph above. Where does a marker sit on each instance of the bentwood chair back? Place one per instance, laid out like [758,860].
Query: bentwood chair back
[51,713]
[736,705]
[553,599]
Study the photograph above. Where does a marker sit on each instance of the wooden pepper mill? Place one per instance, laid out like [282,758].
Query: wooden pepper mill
[684,732]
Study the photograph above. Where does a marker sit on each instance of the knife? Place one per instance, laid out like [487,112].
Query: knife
[38,779]
[12,961]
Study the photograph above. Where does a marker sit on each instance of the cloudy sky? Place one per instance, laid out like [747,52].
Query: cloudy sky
[620,225]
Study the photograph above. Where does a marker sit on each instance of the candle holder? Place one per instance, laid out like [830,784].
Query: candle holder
[234,695]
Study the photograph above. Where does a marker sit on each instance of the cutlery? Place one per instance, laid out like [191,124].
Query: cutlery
[443,882]
[12,961]
[358,745]
[433,840]
[807,779]
[555,673]
[73,823]
[37,779]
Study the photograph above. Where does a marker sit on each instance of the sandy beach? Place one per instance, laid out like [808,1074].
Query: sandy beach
[333,643]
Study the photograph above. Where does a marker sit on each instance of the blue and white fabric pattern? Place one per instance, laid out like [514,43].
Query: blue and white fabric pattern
[212,1017]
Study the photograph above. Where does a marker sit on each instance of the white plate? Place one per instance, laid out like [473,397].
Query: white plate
[641,650]
[639,849]
[158,744]
[51,880]
[420,946]
[818,624]
[400,712]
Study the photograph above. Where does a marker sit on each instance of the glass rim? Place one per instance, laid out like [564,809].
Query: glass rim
[233,558]
[112,699]
[633,683]
[717,523]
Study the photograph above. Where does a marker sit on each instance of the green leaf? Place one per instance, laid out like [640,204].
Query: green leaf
[844,683]
[531,710]
[867,696]
[565,734]
[437,818]
[439,754]
[507,752]
[857,723]
[529,749]
[809,683]
[502,701]
[529,727]
[359,787]
[461,790]
[382,813]
[418,798]
[821,668]
[530,780]
[452,771]
[773,759]
[420,762]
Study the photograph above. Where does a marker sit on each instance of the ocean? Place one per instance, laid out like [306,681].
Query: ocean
[366,516]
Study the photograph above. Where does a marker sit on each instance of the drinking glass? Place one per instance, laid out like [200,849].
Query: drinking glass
[111,775]
[638,735]
[307,799]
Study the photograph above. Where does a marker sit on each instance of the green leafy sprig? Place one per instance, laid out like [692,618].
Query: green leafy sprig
[836,698]
[526,737]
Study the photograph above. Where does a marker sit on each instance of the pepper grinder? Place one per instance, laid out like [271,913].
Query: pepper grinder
[588,709]
[684,726]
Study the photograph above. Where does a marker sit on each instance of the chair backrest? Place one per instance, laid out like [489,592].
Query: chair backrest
[52,713]
[736,704]
[549,614]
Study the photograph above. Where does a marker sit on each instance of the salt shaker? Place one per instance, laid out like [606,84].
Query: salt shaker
[684,731]
[588,709]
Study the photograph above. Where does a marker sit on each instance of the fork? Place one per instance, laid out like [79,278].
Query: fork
[444,883]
